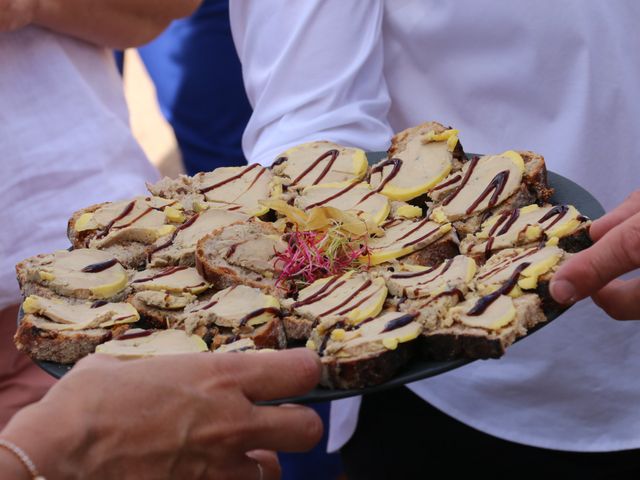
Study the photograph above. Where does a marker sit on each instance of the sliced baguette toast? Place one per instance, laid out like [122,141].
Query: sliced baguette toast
[242,254]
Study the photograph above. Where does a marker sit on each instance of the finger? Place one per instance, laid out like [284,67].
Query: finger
[618,215]
[620,299]
[93,361]
[286,428]
[585,273]
[274,375]
[242,467]
[269,461]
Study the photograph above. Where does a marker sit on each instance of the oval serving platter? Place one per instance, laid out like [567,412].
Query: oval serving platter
[566,191]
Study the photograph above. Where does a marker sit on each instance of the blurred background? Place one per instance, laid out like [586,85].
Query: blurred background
[149,126]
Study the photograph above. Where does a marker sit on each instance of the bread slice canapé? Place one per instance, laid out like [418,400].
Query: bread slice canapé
[440,256]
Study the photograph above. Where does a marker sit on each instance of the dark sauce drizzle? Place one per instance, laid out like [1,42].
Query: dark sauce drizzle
[333,154]
[126,211]
[230,179]
[99,267]
[396,166]
[334,196]
[496,186]
[472,166]
[128,336]
[483,303]
[256,313]
[163,273]
[399,322]
[166,244]
[453,180]
[359,290]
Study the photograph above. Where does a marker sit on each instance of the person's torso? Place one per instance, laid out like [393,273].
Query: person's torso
[65,142]
[559,78]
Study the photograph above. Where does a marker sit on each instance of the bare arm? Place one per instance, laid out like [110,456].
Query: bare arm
[110,23]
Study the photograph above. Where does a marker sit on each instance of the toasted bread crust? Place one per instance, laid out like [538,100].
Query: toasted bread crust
[81,239]
[361,372]
[436,253]
[270,335]
[60,346]
[298,329]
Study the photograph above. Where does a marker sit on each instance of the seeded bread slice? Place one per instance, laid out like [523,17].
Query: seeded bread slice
[370,354]
[242,254]
[82,274]
[464,341]
[534,188]
[38,340]
[267,335]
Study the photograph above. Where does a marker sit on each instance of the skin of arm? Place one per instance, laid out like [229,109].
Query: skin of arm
[594,272]
[117,24]
[175,416]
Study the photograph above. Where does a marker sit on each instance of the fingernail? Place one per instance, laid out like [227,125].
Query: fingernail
[563,291]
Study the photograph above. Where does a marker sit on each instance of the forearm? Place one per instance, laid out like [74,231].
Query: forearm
[314,71]
[115,24]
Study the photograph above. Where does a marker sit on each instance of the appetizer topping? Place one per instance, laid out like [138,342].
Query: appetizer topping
[84,269]
[500,267]
[241,345]
[164,300]
[417,281]
[243,187]
[161,342]
[354,197]
[233,307]
[80,316]
[404,237]
[415,168]
[352,296]
[171,279]
[525,225]
[497,314]
[320,162]
[186,236]
[142,219]
[485,183]
[383,333]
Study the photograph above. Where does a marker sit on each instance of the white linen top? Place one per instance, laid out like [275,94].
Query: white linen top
[559,78]
[65,142]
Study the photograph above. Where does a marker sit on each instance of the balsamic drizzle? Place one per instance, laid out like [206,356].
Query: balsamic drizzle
[399,322]
[483,303]
[333,153]
[396,163]
[100,266]
[126,211]
[256,313]
[334,196]
[128,336]
[359,290]
[166,244]
[230,179]
[163,273]
[496,186]
[472,165]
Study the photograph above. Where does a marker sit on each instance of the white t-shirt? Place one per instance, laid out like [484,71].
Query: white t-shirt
[65,142]
[559,78]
